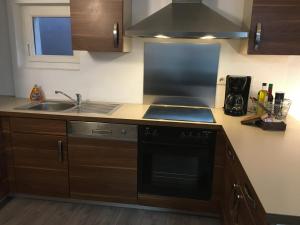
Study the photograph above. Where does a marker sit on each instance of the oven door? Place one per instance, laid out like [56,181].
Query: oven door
[173,170]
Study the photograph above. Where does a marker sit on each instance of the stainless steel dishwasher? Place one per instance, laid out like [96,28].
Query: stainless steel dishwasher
[103,161]
[121,132]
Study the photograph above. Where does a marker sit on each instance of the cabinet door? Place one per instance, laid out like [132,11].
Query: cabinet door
[4,187]
[243,216]
[280,27]
[41,164]
[103,170]
[97,25]
[230,192]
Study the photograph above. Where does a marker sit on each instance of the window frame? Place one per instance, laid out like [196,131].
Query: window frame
[29,11]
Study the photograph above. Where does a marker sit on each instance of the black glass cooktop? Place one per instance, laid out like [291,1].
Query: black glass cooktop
[180,113]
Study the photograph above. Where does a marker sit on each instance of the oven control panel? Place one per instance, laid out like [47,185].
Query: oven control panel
[175,134]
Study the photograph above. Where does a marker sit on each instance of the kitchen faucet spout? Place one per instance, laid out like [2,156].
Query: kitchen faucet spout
[78,97]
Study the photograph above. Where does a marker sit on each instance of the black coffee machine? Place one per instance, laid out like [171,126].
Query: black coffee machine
[237,95]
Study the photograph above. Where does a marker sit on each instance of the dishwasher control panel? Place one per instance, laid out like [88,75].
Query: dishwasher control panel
[122,132]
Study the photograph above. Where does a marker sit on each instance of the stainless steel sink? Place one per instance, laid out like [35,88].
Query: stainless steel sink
[59,106]
[49,106]
[52,106]
[101,108]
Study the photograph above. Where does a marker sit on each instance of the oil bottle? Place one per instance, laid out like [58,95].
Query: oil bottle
[262,97]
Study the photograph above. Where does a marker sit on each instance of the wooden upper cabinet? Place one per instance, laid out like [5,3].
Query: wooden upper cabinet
[280,27]
[99,25]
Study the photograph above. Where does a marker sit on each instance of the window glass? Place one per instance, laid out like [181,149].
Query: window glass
[52,36]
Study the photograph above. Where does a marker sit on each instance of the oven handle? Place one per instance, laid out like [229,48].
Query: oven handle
[161,144]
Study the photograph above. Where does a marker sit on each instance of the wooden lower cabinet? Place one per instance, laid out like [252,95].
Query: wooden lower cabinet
[105,184]
[40,151]
[42,181]
[103,170]
[243,216]
[40,157]
[230,183]
[235,207]
[4,187]
[36,160]
[4,184]
[241,205]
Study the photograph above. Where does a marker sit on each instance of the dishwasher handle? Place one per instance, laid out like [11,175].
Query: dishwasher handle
[102,132]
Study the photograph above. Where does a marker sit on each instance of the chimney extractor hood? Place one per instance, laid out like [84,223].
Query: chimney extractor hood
[187,19]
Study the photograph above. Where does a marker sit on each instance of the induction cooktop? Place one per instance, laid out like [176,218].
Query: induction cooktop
[179,113]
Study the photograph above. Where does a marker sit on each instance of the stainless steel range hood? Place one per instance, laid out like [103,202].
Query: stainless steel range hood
[187,19]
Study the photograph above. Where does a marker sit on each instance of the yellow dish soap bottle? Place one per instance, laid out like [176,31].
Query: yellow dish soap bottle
[36,94]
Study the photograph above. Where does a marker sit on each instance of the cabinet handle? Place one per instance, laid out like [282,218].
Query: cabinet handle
[60,151]
[236,209]
[238,198]
[28,49]
[233,197]
[249,197]
[258,36]
[230,155]
[116,35]
[102,132]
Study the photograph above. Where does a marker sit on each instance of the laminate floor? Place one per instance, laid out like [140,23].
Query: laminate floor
[21,211]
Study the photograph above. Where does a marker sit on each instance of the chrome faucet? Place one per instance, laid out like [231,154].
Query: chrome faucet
[78,97]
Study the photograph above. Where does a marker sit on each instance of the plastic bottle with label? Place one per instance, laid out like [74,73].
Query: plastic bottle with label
[36,94]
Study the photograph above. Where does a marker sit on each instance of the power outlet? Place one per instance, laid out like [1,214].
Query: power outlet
[221,81]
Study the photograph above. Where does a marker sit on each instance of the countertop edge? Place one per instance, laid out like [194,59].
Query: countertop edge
[58,116]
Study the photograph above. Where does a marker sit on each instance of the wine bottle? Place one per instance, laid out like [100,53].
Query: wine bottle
[270,94]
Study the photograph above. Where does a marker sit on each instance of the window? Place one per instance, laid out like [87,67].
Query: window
[52,36]
[48,38]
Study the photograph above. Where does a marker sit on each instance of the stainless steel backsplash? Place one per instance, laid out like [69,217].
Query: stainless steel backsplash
[181,74]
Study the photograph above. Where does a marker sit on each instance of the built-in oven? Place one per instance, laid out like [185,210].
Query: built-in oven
[176,161]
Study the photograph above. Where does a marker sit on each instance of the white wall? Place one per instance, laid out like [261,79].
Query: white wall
[119,77]
[6,80]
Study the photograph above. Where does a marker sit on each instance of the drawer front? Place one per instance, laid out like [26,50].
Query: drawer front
[38,126]
[42,182]
[251,205]
[5,142]
[106,184]
[104,153]
[243,216]
[5,124]
[3,167]
[105,170]
[255,207]
[44,151]
[4,188]
[230,189]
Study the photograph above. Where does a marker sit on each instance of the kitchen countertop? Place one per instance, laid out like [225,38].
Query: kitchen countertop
[270,159]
